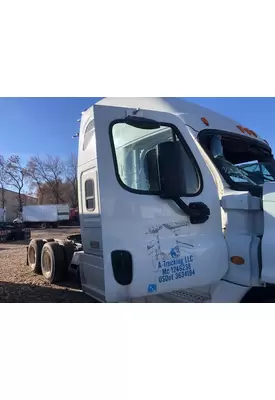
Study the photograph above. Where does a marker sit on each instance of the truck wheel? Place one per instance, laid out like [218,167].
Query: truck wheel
[34,255]
[69,250]
[53,263]
[43,225]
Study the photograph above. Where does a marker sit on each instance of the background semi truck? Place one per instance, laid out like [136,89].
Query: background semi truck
[167,211]
[44,215]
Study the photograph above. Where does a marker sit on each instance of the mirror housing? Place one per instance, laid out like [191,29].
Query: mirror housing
[165,173]
[171,170]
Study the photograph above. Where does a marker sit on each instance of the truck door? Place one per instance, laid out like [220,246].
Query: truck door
[153,244]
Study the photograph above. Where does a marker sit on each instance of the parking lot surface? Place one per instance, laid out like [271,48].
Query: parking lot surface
[19,284]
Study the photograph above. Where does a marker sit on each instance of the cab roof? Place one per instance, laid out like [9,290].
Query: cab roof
[171,105]
[189,112]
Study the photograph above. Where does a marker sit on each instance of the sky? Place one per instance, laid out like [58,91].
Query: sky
[40,126]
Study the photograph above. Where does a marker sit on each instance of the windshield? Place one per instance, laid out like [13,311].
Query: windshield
[259,172]
[243,163]
[235,173]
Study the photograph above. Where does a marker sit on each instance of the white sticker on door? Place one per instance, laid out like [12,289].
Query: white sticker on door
[171,257]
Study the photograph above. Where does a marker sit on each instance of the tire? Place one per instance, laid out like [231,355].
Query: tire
[43,225]
[53,263]
[3,238]
[18,234]
[69,250]
[27,234]
[34,255]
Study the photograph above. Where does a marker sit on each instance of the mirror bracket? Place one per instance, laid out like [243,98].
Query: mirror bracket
[198,212]
[142,123]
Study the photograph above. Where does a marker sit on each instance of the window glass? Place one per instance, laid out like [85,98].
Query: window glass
[90,195]
[89,132]
[258,172]
[136,158]
[245,164]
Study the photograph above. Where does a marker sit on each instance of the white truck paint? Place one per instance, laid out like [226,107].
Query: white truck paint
[44,214]
[220,255]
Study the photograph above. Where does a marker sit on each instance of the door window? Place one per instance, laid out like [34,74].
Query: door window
[135,156]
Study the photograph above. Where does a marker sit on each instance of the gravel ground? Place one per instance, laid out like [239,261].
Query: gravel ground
[20,285]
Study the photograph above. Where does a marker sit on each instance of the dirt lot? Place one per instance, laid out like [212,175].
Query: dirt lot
[18,284]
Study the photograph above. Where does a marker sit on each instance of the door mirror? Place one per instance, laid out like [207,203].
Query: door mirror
[171,166]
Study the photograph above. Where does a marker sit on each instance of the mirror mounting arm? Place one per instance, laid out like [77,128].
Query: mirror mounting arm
[198,212]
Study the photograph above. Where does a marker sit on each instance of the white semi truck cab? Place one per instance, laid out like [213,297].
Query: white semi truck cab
[168,213]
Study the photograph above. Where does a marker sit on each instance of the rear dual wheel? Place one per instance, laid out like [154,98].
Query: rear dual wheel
[50,258]
[69,250]
[34,255]
[53,262]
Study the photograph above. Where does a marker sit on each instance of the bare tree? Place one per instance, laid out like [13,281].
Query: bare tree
[2,182]
[14,175]
[48,173]
[35,179]
[3,198]
[45,194]
[71,179]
